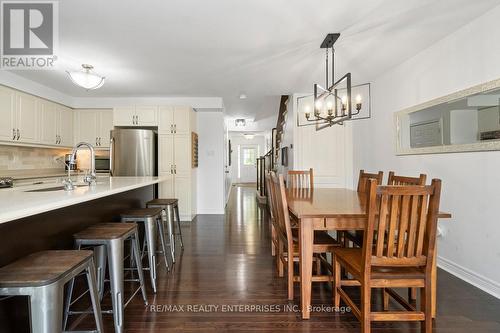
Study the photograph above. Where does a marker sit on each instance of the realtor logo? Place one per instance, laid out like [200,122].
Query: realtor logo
[29,32]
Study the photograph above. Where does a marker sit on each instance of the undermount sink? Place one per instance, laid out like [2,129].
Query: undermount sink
[53,189]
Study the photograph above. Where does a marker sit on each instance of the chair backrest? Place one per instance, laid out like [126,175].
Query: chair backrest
[270,195]
[283,216]
[364,177]
[401,227]
[300,179]
[404,180]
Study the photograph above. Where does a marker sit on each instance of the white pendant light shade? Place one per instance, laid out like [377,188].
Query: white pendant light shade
[86,78]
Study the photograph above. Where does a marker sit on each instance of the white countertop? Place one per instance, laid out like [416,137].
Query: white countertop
[16,203]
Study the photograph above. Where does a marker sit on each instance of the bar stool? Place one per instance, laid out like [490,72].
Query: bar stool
[42,277]
[113,237]
[169,207]
[151,218]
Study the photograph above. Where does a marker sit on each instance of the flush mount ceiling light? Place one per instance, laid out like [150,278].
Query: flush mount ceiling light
[333,104]
[240,122]
[243,96]
[249,136]
[86,78]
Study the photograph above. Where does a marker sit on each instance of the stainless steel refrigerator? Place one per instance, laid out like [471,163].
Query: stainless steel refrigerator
[133,152]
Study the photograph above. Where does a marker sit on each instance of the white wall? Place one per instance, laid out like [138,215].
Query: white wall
[210,193]
[468,57]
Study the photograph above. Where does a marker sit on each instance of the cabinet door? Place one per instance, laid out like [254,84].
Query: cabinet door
[105,127]
[165,153]
[66,126]
[147,115]
[182,188]
[49,122]
[166,188]
[124,116]
[165,120]
[7,114]
[182,154]
[182,120]
[86,126]
[27,118]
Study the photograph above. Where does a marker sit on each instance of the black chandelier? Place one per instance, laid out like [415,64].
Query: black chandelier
[333,104]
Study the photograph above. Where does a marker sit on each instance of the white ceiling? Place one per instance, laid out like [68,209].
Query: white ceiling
[223,48]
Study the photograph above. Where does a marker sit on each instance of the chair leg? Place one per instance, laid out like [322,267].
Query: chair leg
[140,272]
[412,293]
[273,239]
[176,210]
[385,297]
[150,240]
[365,307]
[115,262]
[94,296]
[279,259]
[161,231]
[290,274]
[46,308]
[426,307]
[336,282]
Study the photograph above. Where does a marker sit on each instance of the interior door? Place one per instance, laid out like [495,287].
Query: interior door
[7,114]
[247,163]
[27,118]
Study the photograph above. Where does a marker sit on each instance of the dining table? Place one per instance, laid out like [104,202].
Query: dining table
[330,209]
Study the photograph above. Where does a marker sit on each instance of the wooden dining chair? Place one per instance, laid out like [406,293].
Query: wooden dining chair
[398,252]
[356,237]
[405,180]
[288,248]
[300,179]
[272,210]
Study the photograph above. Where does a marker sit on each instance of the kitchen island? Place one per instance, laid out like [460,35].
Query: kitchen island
[40,217]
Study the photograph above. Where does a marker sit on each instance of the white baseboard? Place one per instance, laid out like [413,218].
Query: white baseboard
[477,280]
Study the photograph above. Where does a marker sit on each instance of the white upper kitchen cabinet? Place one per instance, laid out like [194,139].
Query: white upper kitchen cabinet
[7,114]
[174,119]
[26,118]
[93,126]
[182,120]
[48,122]
[65,126]
[135,116]
[182,155]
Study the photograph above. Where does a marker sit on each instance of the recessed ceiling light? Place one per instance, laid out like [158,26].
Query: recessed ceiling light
[243,96]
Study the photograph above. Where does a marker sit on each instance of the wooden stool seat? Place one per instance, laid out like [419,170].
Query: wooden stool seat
[162,202]
[106,231]
[42,268]
[142,212]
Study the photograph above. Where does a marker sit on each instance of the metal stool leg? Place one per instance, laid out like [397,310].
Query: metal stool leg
[176,210]
[171,230]
[94,295]
[115,258]
[135,242]
[161,231]
[150,237]
[46,308]
[100,263]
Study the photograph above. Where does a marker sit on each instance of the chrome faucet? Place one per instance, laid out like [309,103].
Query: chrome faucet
[91,177]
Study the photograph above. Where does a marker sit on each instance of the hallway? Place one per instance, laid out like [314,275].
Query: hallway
[225,281]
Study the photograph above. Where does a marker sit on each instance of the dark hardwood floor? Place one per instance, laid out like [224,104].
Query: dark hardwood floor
[227,262]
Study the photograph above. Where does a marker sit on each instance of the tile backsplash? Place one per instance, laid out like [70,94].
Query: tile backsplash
[22,161]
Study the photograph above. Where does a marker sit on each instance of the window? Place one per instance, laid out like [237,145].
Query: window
[249,156]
